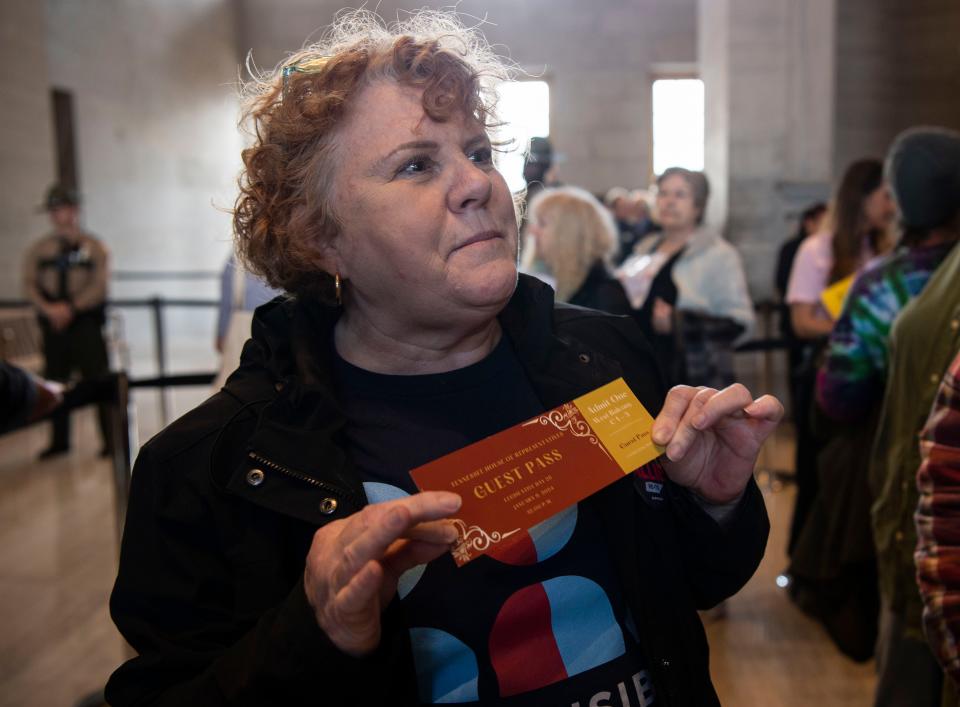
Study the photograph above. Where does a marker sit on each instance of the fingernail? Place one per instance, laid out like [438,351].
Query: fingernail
[672,451]
[699,421]
[451,502]
[451,535]
[751,408]
[660,436]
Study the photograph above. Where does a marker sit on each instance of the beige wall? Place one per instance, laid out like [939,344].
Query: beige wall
[898,64]
[155,112]
[154,91]
[768,69]
[26,134]
[154,86]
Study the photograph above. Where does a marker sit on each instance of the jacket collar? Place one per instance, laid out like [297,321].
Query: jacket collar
[287,368]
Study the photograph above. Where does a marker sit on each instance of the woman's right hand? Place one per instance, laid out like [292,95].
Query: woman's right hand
[354,564]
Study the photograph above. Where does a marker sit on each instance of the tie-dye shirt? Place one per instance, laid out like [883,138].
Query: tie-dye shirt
[852,378]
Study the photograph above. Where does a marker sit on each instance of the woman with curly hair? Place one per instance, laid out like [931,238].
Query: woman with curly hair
[276,550]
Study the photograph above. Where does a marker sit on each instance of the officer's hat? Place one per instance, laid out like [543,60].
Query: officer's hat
[59,195]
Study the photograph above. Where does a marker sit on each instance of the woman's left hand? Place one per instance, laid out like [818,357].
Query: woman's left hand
[713,437]
[661,319]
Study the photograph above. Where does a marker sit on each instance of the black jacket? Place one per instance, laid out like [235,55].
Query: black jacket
[18,394]
[224,503]
[600,290]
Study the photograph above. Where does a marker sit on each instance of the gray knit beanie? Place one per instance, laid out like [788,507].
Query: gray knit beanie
[923,170]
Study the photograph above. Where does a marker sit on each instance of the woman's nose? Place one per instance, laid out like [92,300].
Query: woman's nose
[472,187]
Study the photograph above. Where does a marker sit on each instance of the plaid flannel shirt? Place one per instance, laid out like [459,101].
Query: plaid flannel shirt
[938,523]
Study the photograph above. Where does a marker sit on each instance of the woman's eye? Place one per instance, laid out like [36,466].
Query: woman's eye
[482,155]
[416,165]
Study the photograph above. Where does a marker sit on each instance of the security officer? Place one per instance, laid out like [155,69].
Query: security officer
[65,276]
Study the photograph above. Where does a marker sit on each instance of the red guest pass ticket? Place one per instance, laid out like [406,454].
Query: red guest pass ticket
[517,478]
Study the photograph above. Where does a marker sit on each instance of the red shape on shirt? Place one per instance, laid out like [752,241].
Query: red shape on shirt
[523,651]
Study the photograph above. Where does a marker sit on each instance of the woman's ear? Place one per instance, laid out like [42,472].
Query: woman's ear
[328,256]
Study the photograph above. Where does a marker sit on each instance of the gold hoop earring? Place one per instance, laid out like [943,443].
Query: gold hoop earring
[338,289]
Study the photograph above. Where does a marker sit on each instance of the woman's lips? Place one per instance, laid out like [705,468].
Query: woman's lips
[479,238]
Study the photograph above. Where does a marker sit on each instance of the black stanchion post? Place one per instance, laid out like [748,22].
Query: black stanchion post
[766,381]
[767,345]
[123,438]
[160,351]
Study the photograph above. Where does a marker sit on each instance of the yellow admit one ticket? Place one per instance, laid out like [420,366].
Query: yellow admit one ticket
[621,423]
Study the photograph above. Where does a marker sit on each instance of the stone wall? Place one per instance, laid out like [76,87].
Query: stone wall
[154,86]
[154,90]
[26,134]
[768,68]
[898,64]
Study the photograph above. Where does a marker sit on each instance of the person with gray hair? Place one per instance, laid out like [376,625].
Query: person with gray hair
[689,272]
[276,550]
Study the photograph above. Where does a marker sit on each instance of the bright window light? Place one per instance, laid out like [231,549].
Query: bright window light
[524,107]
[677,124]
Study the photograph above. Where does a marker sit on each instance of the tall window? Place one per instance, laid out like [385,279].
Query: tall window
[677,124]
[524,107]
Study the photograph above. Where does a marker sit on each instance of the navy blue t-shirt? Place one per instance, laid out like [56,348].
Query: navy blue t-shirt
[541,622]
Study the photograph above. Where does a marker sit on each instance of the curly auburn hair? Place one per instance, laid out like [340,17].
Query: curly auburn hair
[284,213]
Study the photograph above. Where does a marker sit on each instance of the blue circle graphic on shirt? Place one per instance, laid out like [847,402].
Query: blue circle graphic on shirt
[543,540]
[378,492]
[447,669]
[553,534]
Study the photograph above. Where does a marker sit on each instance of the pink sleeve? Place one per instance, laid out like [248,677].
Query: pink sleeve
[809,273]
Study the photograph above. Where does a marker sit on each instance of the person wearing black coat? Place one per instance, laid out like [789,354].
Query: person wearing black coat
[25,398]
[224,504]
[276,550]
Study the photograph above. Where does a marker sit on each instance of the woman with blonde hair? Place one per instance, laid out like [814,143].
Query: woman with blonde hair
[574,237]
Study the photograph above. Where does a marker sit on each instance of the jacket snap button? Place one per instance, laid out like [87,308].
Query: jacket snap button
[255,477]
[584,358]
[328,506]
[664,663]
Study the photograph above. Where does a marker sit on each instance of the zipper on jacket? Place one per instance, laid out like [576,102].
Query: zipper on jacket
[305,478]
